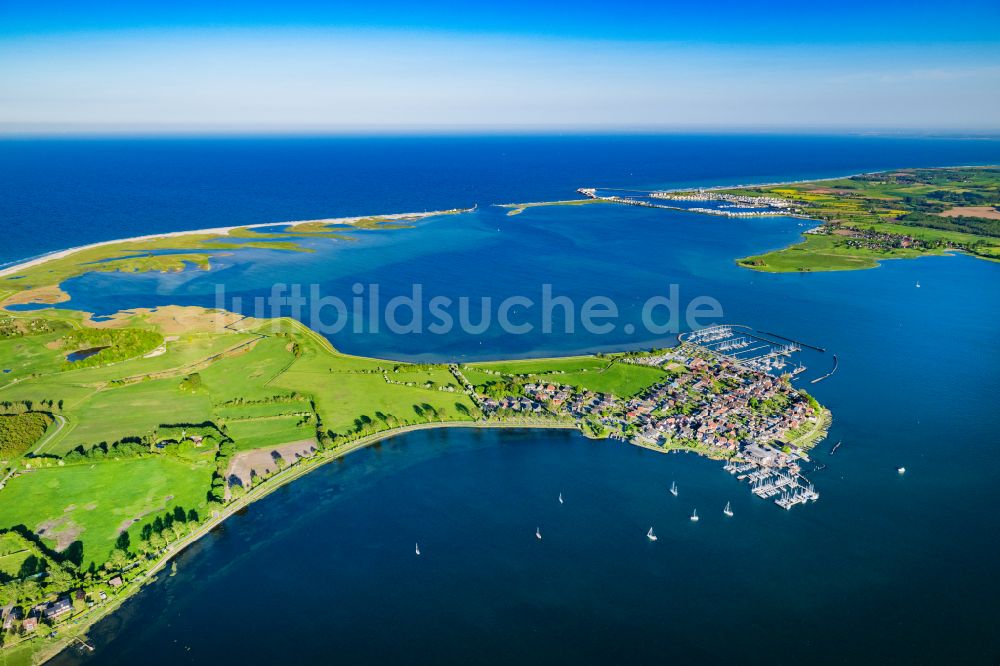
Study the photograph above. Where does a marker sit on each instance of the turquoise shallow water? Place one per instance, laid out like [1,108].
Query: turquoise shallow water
[883,567]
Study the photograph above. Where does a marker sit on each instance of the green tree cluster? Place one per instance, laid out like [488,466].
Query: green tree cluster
[19,431]
[118,344]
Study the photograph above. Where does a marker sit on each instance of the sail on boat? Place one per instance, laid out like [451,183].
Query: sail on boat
[650,535]
[418,549]
[673,489]
[694,516]
[538,533]
[560,498]
[728,510]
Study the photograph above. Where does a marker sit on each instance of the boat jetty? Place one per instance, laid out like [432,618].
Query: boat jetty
[771,481]
[752,350]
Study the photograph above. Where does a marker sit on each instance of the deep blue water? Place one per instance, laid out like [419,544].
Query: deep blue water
[883,567]
[62,193]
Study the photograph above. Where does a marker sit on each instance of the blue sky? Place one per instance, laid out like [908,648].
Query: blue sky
[295,66]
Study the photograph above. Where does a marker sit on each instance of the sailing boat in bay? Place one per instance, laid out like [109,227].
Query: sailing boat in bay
[560,498]
[694,516]
[418,549]
[728,510]
[538,533]
[650,535]
[673,489]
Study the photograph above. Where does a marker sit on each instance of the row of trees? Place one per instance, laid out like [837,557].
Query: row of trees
[129,447]
[154,536]
[273,399]
[227,450]
[21,406]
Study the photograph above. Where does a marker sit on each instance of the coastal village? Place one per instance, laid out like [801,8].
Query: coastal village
[708,403]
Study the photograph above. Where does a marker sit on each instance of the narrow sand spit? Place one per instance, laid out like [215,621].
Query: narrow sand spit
[216,230]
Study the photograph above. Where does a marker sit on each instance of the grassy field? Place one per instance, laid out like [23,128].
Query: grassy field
[823,253]
[133,410]
[910,203]
[12,554]
[621,379]
[269,431]
[258,380]
[93,502]
[342,397]
[533,366]
[586,372]
[28,356]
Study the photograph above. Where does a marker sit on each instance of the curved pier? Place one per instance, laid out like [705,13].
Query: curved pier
[836,364]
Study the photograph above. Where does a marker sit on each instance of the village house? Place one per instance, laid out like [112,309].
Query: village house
[57,608]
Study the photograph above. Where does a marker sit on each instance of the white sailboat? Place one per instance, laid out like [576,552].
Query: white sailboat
[538,533]
[418,549]
[901,470]
[560,498]
[918,284]
[694,516]
[673,489]
[650,535]
[728,510]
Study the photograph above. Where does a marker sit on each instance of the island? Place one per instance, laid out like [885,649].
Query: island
[126,438]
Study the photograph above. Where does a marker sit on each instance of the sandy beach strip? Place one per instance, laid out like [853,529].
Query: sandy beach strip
[221,231]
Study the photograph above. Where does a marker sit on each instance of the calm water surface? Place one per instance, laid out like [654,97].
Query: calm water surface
[883,567]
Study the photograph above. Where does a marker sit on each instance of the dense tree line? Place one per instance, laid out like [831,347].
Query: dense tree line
[21,406]
[500,389]
[980,226]
[19,431]
[225,453]
[273,399]
[128,447]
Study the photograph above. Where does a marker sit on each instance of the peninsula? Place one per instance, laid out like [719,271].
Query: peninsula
[864,219]
[128,438]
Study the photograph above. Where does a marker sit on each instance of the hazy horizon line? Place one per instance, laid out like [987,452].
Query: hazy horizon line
[152,130]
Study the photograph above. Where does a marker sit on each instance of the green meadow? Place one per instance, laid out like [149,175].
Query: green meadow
[908,202]
[94,503]
[601,375]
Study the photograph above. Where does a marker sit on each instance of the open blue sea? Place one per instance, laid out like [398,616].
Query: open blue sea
[882,568]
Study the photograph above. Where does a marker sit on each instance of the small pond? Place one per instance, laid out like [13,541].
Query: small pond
[82,354]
